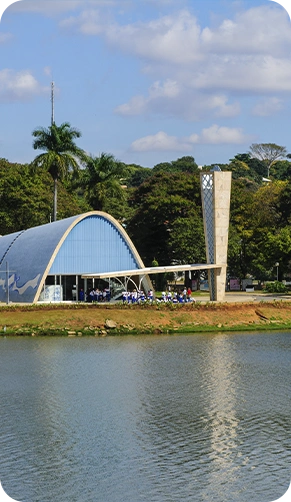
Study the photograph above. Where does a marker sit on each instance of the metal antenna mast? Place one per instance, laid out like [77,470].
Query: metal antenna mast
[52,100]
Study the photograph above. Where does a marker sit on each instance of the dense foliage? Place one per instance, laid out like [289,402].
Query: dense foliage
[160,207]
[26,198]
[167,222]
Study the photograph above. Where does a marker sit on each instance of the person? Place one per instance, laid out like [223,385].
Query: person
[108,294]
[74,293]
[189,293]
[150,295]
[141,296]
[81,295]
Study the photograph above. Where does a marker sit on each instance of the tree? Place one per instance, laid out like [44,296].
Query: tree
[25,199]
[269,153]
[185,164]
[137,175]
[61,153]
[239,169]
[255,215]
[102,181]
[283,205]
[282,170]
[278,249]
[244,166]
[241,229]
[167,224]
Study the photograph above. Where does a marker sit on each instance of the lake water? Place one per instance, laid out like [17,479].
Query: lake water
[202,417]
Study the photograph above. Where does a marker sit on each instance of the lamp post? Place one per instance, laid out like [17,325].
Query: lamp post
[277,265]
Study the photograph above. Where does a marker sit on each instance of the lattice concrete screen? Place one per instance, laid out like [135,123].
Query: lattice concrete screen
[215,192]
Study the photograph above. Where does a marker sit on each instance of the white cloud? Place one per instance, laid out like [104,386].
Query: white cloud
[267,107]
[213,135]
[160,142]
[172,39]
[249,53]
[172,99]
[159,93]
[168,38]
[216,135]
[19,86]
[259,30]
[219,104]
[136,106]
[169,89]
[199,72]
[245,75]
[179,39]
[88,23]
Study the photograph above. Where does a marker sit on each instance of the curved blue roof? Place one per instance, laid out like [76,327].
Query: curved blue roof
[88,243]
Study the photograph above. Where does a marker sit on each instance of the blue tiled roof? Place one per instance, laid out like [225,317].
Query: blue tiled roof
[89,243]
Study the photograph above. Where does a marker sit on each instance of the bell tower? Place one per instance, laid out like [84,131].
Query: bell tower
[215,193]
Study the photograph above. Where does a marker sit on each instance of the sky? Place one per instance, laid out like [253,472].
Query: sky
[147,81]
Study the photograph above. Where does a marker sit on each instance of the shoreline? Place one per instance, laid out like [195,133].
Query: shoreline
[82,319]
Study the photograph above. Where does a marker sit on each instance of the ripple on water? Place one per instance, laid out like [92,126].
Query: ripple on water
[146,418]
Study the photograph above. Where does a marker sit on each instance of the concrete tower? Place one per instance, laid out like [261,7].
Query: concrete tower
[215,192]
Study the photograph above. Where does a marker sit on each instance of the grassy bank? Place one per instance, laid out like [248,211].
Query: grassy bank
[117,319]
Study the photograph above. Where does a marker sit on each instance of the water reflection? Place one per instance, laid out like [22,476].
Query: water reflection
[221,385]
[201,417]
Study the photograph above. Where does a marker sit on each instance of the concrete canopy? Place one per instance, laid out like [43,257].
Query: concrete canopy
[74,246]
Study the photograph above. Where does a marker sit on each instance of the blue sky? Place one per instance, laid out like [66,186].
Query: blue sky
[147,80]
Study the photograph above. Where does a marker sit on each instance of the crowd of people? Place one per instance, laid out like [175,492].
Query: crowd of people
[136,296]
[139,296]
[96,295]
[182,296]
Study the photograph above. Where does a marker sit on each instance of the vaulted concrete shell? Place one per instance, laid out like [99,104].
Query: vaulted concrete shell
[70,247]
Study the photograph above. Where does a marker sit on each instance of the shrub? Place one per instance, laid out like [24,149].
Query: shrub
[275,287]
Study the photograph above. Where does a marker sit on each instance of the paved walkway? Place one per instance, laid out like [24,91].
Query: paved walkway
[242,296]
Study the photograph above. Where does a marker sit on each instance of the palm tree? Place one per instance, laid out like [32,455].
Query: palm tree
[61,153]
[102,180]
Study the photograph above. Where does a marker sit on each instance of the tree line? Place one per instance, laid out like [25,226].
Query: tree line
[160,207]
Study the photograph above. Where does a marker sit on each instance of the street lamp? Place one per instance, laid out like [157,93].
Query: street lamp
[277,265]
